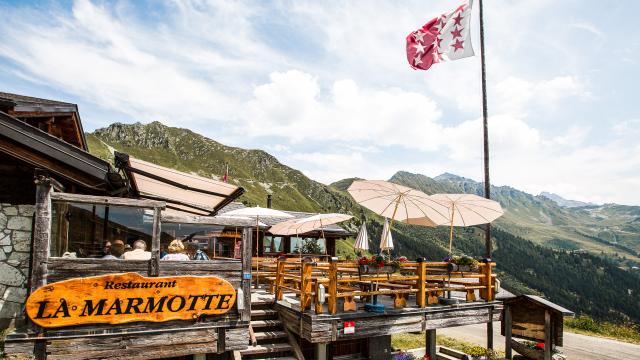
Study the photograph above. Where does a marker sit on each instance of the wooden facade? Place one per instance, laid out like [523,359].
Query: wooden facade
[211,334]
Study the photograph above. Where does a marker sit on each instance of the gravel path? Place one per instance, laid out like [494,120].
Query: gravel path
[576,346]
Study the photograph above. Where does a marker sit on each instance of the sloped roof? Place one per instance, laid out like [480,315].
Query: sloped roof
[29,104]
[540,302]
[181,191]
[55,155]
[22,100]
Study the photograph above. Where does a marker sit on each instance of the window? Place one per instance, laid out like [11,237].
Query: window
[308,245]
[88,231]
[272,244]
[211,240]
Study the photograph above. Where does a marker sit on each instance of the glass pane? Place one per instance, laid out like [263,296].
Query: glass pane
[272,244]
[98,231]
[294,244]
[199,242]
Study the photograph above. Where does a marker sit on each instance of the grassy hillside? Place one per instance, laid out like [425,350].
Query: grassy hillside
[255,170]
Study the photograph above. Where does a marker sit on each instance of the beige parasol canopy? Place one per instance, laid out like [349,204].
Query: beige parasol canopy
[257,212]
[398,202]
[304,225]
[467,210]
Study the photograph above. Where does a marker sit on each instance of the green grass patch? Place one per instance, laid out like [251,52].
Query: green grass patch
[410,341]
[588,326]
[345,251]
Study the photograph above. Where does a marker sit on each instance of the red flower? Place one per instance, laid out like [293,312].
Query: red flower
[540,345]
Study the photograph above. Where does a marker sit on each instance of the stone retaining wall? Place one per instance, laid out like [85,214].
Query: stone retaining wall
[15,240]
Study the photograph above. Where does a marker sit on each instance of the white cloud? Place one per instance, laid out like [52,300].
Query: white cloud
[517,95]
[326,86]
[293,106]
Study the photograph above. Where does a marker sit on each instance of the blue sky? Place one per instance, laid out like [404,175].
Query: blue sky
[325,86]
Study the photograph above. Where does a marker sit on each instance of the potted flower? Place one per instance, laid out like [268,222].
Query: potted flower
[397,262]
[533,350]
[461,263]
[375,264]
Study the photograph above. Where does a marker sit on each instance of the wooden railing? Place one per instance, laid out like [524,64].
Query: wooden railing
[345,280]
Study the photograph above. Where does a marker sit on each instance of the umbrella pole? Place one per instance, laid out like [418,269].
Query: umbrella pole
[453,209]
[393,216]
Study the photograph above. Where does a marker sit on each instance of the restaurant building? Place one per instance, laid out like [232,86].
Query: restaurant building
[64,211]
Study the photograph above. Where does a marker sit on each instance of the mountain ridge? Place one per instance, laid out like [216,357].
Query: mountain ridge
[261,173]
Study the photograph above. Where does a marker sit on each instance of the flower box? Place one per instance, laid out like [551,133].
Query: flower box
[372,269]
[523,349]
[462,268]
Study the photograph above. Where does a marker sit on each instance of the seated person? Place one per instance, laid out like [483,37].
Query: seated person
[176,251]
[195,253]
[116,250]
[139,251]
[106,249]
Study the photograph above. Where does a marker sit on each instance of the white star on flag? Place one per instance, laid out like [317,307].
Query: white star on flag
[419,48]
[418,35]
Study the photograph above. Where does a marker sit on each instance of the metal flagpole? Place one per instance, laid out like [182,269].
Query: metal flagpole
[485,130]
[487,184]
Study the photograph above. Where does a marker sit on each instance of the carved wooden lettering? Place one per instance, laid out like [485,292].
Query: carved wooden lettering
[130,297]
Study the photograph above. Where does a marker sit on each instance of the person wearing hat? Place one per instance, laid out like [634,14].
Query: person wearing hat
[176,251]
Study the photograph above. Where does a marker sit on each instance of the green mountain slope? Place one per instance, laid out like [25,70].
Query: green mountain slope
[608,228]
[523,266]
[255,170]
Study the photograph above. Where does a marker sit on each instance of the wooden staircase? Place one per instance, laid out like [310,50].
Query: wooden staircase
[269,339]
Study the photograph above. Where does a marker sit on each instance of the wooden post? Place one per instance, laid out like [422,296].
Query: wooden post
[490,330]
[305,286]
[421,283]
[547,335]
[246,272]
[154,262]
[488,281]
[430,344]
[332,303]
[507,332]
[280,278]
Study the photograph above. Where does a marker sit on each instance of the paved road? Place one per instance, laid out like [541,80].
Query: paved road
[576,346]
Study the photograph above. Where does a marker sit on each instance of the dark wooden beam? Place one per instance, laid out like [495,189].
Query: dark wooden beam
[38,160]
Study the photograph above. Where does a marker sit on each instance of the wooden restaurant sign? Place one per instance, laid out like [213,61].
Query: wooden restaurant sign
[124,298]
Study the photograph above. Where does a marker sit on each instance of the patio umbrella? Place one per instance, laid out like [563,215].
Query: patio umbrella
[386,242]
[362,240]
[398,202]
[467,210]
[304,225]
[258,212]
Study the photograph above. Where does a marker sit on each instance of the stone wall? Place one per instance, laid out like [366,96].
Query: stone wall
[15,240]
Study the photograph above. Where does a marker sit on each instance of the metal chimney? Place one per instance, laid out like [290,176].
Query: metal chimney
[269,201]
